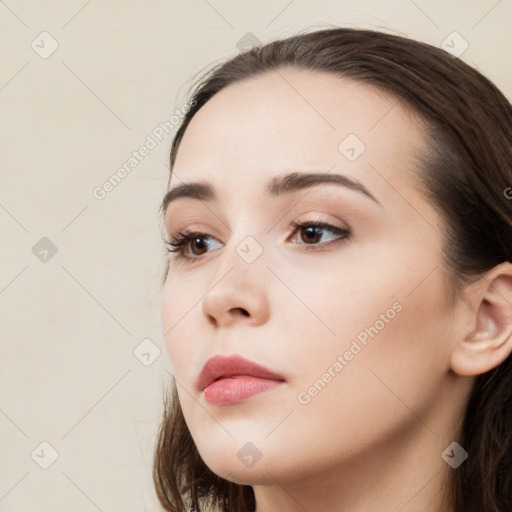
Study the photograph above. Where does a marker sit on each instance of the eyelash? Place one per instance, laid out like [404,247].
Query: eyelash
[177,244]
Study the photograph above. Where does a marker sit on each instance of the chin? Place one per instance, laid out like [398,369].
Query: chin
[240,463]
[260,474]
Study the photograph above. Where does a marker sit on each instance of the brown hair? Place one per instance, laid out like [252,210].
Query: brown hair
[465,172]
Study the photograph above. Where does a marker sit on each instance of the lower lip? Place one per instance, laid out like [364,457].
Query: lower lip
[232,390]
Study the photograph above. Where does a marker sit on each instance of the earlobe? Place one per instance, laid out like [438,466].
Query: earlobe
[488,340]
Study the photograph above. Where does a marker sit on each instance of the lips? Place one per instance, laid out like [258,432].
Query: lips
[230,366]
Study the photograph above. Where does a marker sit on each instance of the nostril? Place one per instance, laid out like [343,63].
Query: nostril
[243,311]
[212,320]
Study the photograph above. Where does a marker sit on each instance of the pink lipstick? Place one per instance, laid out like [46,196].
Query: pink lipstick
[228,380]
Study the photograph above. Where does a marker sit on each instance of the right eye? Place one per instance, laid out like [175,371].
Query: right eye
[189,241]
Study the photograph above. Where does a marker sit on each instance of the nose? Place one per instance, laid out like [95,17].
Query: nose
[237,297]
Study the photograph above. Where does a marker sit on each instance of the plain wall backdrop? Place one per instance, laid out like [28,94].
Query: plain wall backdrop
[84,84]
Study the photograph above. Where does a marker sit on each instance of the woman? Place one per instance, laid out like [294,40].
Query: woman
[338,301]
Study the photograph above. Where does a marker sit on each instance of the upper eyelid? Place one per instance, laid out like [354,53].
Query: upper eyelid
[296,225]
[297,218]
[312,202]
[315,222]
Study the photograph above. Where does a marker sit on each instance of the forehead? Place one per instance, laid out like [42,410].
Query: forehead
[292,119]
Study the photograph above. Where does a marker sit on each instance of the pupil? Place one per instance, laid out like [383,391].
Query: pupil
[200,243]
[313,233]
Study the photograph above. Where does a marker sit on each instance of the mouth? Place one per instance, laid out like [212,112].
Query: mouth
[228,380]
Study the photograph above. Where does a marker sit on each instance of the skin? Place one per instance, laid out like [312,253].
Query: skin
[372,438]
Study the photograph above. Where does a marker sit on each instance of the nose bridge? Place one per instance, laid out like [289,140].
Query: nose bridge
[245,248]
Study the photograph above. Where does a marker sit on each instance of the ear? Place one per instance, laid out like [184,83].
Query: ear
[487,341]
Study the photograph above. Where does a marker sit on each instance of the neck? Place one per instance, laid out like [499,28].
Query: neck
[390,481]
[404,473]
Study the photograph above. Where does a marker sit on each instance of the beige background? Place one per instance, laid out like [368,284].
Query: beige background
[71,321]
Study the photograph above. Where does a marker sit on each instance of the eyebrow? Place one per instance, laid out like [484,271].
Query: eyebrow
[277,186]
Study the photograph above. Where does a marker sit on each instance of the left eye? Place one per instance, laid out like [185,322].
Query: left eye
[312,232]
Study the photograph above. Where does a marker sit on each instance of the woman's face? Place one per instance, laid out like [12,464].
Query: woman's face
[348,317]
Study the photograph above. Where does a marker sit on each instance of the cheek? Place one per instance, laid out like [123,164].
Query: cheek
[178,305]
[386,313]
[390,358]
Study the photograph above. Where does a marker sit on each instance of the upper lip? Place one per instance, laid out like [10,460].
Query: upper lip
[228,366]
